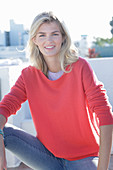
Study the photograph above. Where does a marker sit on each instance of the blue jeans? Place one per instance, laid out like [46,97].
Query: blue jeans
[34,154]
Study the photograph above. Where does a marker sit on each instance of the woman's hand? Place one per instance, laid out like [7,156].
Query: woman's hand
[2,155]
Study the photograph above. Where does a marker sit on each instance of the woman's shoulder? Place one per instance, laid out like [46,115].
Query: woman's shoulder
[29,69]
[81,62]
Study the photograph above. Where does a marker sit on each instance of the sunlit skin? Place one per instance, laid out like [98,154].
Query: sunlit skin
[49,40]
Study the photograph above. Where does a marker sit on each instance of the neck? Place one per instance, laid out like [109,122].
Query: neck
[53,64]
[53,68]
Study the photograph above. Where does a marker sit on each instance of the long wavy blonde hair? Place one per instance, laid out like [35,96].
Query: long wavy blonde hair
[67,55]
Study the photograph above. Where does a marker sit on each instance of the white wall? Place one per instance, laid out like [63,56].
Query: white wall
[8,75]
[103,68]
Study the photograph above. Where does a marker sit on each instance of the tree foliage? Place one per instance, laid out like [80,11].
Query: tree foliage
[102,42]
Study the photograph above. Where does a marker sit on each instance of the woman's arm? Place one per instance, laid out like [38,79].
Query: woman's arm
[105,146]
[2,121]
[99,104]
[9,105]
[11,102]
[2,148]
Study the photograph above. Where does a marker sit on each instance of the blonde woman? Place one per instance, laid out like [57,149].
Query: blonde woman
[69,107]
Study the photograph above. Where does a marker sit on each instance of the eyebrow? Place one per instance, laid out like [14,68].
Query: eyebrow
[45,32]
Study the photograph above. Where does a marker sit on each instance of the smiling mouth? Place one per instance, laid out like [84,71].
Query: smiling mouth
[50,47]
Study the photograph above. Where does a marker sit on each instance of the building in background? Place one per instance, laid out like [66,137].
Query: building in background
[7,38]
[16,34]
[82,46]
[2,39]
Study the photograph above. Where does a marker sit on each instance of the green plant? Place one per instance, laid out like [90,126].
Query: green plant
[101,41]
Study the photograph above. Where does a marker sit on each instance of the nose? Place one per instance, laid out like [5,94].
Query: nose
[49,38]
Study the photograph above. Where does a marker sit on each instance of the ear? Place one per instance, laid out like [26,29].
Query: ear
[34,40]
[64,40]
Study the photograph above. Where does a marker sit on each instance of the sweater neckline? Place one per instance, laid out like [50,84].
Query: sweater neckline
[59,79]
[55,75]
[52,81]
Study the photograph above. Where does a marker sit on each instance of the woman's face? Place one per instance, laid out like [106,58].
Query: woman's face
[49,39]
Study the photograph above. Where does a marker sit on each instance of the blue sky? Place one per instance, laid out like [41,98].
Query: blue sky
[81,16]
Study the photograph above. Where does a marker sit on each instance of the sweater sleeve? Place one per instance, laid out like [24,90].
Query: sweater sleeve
[96,96]
[11,102]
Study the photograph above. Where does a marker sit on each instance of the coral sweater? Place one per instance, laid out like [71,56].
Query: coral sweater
[66,112]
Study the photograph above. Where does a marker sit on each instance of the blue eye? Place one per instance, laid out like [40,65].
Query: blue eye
[42,35]
[55,34]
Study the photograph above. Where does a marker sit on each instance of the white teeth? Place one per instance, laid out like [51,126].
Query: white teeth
[50,47]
